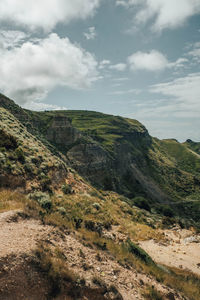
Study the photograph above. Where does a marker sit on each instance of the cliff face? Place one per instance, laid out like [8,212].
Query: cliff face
[61,133]
[115,161]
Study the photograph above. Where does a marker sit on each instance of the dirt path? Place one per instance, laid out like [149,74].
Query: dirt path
[181,249]
[20,236]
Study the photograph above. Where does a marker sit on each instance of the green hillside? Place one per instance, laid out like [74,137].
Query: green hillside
[185,158]
[24,160]
[110,152]
[194,146]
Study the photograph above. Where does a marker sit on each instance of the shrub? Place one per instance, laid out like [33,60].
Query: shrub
[55,269]
[35,160]
[8,165]
[7,141]
[90,225]
[2,157]
[20,154]
[167,221]
[78,222]
[28,168]
[43,199]
[62,211]
[97,206]
[139,252]
[45,183]
[152,294]
[67,189]
[166,211]
[142,203]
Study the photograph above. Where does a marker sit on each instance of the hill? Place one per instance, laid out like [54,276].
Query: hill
[116,153]
[89,188]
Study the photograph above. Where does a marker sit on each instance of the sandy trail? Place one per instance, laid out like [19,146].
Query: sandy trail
[20,236]
[181,249]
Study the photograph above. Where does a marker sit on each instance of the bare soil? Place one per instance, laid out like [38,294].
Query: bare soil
[180,249]
[21,279]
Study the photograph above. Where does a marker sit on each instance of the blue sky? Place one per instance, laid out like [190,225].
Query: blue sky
[135,58]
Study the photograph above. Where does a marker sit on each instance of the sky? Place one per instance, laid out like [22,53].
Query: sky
[135,58]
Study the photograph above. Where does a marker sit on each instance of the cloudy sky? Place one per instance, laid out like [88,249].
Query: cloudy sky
[135,58]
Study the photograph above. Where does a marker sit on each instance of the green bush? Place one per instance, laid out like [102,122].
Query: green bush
[7,141]
[45,183]
[167,221]
[67,189]
[20,154]
[43,199]
[97,206]
[62,211]
[139,252]
[142,203]
[166,211]
[29,168]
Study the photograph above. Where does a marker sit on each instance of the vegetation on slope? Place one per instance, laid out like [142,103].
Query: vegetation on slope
[72,204]
[118,135]
[89,215]
[184,158]
[132,163]
[194,146]
[23,158]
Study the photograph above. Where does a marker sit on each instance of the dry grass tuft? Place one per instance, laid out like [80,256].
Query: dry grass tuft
[10,200]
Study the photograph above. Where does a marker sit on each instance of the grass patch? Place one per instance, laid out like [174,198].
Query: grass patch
[53,264]
[10,200]
[152,294]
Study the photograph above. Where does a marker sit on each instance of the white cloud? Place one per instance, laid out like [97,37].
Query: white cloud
[118,67]
[45,14]
[179,63]
[11,38]
[195,52]
[184,90]
[128,3]
[121,79]
[151,61]
[125,92]
[37,106]
[28,72]
[104,63]
[163,13]
[91,34]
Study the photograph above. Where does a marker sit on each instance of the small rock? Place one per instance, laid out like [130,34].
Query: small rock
[170,296]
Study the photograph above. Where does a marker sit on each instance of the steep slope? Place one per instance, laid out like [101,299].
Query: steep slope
[184,156]
[115,153]
[118,154]
[24,161]
[194,146]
